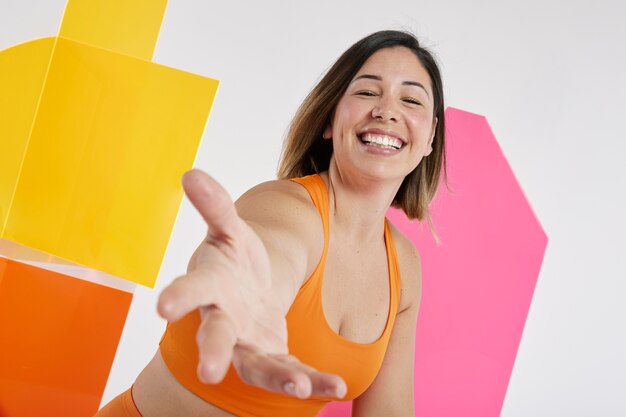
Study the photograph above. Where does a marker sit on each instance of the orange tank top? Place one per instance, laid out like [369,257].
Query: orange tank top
[310,337]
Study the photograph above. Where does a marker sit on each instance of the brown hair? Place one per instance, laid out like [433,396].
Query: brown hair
[305,152]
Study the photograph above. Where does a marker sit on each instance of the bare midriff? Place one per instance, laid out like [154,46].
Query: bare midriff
[158,394]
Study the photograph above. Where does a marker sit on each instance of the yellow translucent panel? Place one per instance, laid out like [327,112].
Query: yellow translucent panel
[100,181]
[129,27]
[22,74]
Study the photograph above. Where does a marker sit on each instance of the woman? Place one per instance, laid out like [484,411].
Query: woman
[370,135]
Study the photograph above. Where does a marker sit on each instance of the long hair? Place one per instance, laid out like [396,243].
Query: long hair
[305,152]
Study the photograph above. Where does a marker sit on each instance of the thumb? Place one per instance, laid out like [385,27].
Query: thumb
[212,202]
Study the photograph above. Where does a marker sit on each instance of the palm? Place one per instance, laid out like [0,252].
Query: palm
[229,281]
[241,261]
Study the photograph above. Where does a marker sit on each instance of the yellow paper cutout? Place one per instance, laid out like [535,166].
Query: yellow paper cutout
[128,27]
[25,66]
[101,156]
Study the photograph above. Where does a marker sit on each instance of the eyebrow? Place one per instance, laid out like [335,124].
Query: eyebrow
[379,78]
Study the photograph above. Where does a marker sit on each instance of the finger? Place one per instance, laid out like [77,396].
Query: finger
[202,288]
[322,384]
[267,372]
[327,385]
[216,339]
[212,202]
[266,333]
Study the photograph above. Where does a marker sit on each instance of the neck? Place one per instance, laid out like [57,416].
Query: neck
[358,206]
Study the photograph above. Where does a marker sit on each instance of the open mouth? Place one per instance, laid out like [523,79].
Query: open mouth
[381,141]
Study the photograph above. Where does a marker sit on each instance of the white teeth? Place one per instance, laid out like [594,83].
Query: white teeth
[382,141]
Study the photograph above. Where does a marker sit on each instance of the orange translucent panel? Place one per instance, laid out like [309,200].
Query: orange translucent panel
[59,336]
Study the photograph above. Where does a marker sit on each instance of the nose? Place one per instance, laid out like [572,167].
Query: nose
[384,110]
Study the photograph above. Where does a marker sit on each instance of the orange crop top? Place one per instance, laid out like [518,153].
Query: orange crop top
[310,339]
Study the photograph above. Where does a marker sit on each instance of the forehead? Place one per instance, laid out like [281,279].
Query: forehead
[396,63]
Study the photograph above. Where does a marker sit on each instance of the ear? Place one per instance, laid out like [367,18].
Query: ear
[328,132]
[429,145]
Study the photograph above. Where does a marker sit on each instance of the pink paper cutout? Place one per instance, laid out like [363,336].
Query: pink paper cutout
[477,284]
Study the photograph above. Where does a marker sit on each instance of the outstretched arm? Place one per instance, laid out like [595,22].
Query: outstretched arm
[243,278]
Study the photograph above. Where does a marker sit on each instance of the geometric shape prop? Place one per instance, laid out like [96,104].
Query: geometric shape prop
[477,282]
[127,27]
[25,65]
[59,336]
[100,159]
[24,254]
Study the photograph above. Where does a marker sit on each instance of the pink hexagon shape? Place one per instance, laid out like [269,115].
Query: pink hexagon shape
[477,283]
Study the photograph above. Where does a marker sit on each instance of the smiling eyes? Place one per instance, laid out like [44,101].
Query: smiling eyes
[412,101]
[370,93]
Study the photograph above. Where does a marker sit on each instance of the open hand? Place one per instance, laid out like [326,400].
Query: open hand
[229,281]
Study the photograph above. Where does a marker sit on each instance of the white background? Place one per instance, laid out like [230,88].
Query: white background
[549,76]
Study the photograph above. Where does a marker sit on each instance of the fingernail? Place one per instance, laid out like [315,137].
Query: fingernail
[340,391]
[290,388]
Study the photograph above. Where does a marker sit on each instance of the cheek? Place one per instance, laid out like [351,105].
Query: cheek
[421,134]
[348,113]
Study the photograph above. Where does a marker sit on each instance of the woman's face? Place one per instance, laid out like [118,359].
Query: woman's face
[383,125]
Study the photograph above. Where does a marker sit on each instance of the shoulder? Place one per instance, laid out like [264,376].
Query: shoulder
[410,269]
[282,213]
[280,201]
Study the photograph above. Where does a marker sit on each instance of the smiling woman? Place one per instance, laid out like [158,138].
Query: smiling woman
[305,154]
[311,256]
[385,111]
